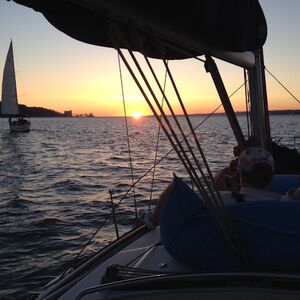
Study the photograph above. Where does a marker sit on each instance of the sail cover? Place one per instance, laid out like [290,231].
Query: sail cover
[9,91]
[195,26]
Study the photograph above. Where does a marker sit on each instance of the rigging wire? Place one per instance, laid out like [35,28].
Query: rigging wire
[218,201]
[283,85]
[157,144]
[215,206]
[187,163]
[128,138]
[171,133]
[247,100]
[167,127]
[202,191]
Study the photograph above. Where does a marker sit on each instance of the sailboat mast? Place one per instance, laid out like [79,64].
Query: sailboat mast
[259,113]
[9,86]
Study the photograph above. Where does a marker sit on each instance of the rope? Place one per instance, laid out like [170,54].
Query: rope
[128,139]
[283,86]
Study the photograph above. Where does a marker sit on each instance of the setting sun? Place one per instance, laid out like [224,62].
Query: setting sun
[136,114]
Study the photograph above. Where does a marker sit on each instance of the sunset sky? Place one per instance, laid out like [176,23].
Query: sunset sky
[57,72]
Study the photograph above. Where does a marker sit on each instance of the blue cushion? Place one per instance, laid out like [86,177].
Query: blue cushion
[182,203]
[282,183]
[269,231]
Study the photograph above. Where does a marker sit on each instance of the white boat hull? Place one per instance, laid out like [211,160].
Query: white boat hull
[15,127]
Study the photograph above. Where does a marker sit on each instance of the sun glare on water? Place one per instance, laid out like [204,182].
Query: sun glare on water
[136,115]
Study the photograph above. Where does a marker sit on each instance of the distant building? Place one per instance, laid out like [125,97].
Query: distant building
[90,115]
[68,113]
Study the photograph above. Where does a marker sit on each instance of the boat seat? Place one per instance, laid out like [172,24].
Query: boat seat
[269,232]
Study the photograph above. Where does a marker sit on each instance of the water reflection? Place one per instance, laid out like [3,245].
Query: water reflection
[12,162]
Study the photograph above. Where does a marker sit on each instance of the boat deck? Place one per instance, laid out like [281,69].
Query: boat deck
[143,269]
[145,253]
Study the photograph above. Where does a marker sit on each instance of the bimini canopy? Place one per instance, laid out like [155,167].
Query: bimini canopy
[196,26]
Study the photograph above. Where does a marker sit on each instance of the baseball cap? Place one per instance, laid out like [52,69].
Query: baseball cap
[252,156]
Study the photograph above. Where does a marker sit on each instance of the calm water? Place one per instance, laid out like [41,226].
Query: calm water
[54,184]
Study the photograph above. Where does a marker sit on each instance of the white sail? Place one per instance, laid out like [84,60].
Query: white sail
[9,88]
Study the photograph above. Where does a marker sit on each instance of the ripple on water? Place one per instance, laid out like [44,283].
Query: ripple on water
[54,184]
[69,185]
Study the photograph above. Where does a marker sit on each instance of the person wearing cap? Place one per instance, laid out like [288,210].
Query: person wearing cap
[255,169]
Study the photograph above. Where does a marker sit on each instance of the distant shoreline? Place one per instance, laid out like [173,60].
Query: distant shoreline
[271,112]
[40,112]
[281,112]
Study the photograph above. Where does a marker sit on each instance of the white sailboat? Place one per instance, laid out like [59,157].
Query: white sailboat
[9,106]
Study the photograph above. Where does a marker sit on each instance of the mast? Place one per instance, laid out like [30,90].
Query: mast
[9,87]
[259,113]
